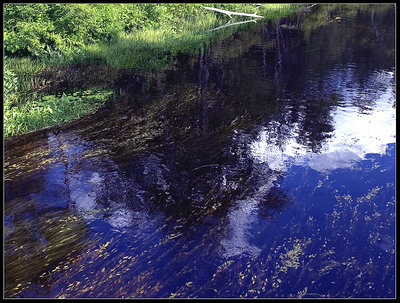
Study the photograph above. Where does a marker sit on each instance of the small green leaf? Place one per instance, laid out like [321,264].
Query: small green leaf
[64,98]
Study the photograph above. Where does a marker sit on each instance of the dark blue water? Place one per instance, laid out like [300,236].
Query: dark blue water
[263,167]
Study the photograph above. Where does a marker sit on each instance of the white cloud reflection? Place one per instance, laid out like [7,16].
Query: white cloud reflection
[241,219]
[355,134]
[85,185]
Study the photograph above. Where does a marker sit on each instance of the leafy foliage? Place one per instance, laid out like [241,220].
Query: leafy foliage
[33,29]
[56,31]
[36,29]
[50,109]
[142,36]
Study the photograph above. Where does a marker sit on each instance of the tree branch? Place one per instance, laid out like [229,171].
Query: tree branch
[229,13]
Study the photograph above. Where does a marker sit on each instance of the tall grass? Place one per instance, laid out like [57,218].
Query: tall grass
[17,79]
[150,48]
[172,29]
[155,48]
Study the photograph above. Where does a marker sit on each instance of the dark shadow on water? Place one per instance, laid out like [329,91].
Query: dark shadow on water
[220,177]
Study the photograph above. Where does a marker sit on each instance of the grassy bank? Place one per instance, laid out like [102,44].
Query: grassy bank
[138,36]
[155,47]
[25,110]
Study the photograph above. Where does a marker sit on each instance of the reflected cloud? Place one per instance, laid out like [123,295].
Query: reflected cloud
[329,161]
[241,218]
[95,193]
[356,133]
[245,212]
[121,218]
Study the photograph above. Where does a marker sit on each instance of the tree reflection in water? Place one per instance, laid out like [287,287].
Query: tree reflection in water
[188,192]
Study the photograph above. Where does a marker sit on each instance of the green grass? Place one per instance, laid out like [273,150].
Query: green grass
[18,73]
[152,47]
[156,47]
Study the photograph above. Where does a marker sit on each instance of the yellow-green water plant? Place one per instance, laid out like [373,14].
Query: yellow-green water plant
[45,110]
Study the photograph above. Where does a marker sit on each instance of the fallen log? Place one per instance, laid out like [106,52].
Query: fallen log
[229,13]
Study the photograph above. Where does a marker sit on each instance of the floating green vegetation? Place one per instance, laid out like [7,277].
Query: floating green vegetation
[25,110]
[45,110]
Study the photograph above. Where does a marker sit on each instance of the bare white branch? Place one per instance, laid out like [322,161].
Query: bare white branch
[229,13]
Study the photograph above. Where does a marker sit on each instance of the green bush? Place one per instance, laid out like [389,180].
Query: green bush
[142,36]
[42,30]
[33,29]
[39,29]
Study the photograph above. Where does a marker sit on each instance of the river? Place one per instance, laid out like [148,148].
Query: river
[262,167]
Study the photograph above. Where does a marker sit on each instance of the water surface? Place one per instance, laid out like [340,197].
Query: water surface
[263,167]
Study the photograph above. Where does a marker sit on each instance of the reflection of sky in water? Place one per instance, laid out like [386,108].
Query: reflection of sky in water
[241,218]
[356,134]
[84,187]
[243,214]
[341,220]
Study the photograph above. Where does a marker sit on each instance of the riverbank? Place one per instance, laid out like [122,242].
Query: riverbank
[261,167]
[156,36]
